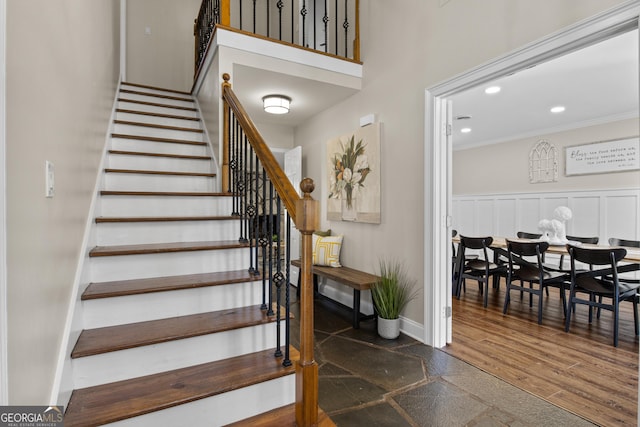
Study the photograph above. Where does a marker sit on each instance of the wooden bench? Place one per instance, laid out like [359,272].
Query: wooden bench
[356,279]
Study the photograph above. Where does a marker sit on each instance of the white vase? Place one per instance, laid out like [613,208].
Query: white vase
[388,328]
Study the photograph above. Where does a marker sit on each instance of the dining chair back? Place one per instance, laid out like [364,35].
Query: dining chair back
[614,241]
[571,239]
[527,235]
[480,269]
[601,282]
[526,264]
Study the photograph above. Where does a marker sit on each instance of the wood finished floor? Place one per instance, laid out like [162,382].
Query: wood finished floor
[579,371]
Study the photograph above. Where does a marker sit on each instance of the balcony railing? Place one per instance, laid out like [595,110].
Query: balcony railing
[327,26]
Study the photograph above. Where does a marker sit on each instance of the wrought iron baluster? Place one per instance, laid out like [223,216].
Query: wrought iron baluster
[233,167]
[345,25]
[253,197]
[303,13]
[335,25]
[255,191]
[287,296]
[325,20]
[242,187]
[262,238]
[280,5]
[269,247]
[268,19]
[254,17]
[278,277]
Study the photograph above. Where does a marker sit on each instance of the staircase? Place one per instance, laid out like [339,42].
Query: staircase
[173,331]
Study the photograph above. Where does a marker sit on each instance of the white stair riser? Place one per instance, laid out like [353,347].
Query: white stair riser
[158,100]
[164,121]
[153,163]
[152,359]
[115,181]
[145,146]
[222,409]
[112,311]
[153,109]
[132,233]
[157,133]
[165,205]
[122,267]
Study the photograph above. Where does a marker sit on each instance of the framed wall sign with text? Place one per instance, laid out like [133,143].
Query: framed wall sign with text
[619,155]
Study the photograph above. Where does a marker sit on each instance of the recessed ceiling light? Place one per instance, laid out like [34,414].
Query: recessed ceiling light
[465,130]
[492,89]
[557,109]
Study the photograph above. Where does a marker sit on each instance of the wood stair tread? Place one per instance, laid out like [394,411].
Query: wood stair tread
[284,416]
[156,126]
[173,156]
[164,193]
[156,104]
[160,115]
[152,172]
[102,219]
[159,248]
[113,338]
[157,139]
[124,399]
[181,92]
[156,95]
[118,288]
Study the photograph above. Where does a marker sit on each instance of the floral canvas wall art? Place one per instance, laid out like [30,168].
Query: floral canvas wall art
[354,176]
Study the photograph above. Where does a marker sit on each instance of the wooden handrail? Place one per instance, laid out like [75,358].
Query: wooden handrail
[304,212]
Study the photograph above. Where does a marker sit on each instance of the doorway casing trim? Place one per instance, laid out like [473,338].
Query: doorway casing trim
[438,152]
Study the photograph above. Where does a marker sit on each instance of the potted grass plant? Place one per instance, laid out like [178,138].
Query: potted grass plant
[391,293]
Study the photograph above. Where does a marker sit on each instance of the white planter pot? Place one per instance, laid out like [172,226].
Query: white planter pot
[388,328]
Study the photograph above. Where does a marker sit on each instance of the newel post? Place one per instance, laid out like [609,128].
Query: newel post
[306,368]
[225,136]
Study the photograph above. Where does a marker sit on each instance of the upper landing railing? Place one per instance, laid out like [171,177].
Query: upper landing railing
[327,26]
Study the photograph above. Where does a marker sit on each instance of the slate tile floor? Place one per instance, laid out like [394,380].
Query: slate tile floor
[369,381]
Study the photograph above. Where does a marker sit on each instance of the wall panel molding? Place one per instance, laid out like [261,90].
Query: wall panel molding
[603,213]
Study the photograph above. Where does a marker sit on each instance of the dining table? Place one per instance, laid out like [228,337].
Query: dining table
[630,263]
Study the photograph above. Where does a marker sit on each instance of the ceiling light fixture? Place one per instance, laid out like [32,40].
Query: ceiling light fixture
[276,104]
[465,130]
[557,109]
[492,89]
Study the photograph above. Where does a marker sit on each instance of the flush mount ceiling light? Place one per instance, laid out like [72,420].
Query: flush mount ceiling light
[276,104]
[557,109]
[465,130]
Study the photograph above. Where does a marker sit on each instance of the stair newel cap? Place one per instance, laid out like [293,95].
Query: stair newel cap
[307,208]
[226,77]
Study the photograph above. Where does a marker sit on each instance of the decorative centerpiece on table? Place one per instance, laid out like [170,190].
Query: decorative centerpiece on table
[554,230]
[350,169]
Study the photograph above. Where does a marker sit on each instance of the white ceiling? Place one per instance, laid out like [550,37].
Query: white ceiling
[597,84]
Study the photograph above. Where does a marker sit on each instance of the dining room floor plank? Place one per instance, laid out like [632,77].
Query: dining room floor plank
[580,371]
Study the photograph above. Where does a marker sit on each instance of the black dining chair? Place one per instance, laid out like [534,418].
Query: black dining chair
[602,282]
[523,269]
[614,241]
[588,240]
[454,259]
[481,269]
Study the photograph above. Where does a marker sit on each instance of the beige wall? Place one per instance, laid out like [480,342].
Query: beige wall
[424,44]
[165,57]
[511,159]
[62,72]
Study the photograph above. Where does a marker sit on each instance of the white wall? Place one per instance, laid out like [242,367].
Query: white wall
[62,71]
[165,57]
[424,43]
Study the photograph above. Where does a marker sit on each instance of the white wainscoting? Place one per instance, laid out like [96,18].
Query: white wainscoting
[602,213]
